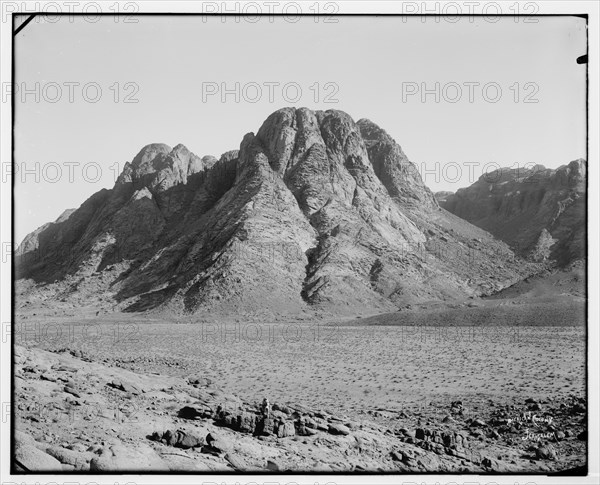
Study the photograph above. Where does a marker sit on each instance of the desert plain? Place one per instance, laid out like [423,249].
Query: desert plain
[467,387]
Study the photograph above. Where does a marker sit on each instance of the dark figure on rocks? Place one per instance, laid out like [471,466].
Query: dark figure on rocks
[265,408]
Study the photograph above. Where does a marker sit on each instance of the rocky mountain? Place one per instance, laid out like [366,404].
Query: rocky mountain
[314,214]
[31,241]
[539,212]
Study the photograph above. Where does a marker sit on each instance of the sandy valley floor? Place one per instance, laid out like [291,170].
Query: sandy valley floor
[341,367]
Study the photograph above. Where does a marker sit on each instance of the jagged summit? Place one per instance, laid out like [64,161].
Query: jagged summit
[159,167]
[149,152]
[313,213]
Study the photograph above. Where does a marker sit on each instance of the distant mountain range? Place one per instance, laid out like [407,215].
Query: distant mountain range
[539,212]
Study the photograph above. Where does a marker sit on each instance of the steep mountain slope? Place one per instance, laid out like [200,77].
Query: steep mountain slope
[314,213]
[31,241]
[539,212]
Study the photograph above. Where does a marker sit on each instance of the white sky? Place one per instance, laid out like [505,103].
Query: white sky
[372,61]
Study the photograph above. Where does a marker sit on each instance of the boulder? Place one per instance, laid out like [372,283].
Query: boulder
[198,381]
[246,422]
[178,438]
[237,462]
[119,458]
[217,444]
[546,452]
[338,429]
[285,429]
[30,459]
[124,386]
[79,461]
[265,427]
[195,413]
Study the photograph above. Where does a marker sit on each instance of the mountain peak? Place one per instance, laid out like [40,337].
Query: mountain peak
[159,167]
[180,147]
[314,212]
[149,153]
[291,135]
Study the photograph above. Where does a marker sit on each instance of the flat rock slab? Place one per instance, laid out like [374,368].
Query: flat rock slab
[29,458]
[124,459]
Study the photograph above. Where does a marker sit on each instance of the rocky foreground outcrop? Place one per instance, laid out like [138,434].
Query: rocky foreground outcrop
[314,213]
[539,212]
[75,415]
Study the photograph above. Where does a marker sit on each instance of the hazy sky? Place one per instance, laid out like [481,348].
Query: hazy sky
[370,67]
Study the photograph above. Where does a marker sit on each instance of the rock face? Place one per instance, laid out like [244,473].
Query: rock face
[539,212]
[314,213]
[398,175]
[31,241]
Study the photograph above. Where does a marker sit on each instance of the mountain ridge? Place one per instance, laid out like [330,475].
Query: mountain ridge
[185,234]
[539,212]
